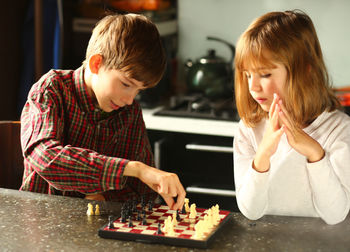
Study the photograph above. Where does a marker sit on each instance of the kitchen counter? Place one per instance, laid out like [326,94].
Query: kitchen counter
[188,125]
[38,222]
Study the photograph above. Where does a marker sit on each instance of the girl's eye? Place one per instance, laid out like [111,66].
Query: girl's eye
[265,75]
[125,85]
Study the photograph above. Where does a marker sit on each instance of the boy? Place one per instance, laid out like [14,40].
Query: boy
[83,135]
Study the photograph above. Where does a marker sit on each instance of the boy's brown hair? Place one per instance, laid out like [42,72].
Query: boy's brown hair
[130,43]
[288,38]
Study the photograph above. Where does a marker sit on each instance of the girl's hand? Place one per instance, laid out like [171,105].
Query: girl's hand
[272,136]
[298,139]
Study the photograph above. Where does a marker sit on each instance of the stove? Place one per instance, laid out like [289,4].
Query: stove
[198,106]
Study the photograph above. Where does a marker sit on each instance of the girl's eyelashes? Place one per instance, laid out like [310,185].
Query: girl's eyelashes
[125,85]
[265,75]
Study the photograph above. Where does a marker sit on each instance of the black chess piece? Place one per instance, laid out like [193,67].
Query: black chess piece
[178,218]
[123,216]
[130,223]
[183,211]
[144,221]
[110,221]
[138,216]
[159,230]
[150,205]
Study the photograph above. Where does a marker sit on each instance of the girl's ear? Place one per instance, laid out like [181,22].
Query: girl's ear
[95,62]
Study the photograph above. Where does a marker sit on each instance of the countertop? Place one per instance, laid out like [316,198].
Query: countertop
[188,125]
[39,222]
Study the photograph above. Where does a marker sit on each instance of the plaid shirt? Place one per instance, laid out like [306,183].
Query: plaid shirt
[72,147]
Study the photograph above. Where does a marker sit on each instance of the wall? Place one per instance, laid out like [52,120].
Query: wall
[227,19]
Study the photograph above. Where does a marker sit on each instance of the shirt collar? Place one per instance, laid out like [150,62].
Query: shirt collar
[82,92]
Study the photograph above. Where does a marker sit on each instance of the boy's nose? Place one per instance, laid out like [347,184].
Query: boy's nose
[129,99]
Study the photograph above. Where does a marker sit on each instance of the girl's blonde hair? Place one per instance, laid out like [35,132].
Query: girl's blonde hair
[130,43]
[288,38]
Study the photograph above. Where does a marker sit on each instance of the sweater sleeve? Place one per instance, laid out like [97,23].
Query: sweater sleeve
[330,180]
[251,186]
[62,166]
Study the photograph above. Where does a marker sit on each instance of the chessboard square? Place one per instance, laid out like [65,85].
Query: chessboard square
[188,232]
[185,236]
[163,207]
[148,232]
[127,230]
[186,224]
[178,230]
[152,228]
[154,217]
[136,231]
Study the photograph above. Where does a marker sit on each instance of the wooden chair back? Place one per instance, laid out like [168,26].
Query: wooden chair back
[11,158]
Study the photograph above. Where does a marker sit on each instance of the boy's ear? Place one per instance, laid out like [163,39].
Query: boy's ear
[95,63]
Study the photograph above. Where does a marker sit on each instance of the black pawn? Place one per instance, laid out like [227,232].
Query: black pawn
[123,217]
[144,221]
[130,223]
[110,222]
[150,205]
[138,216]
[178,218]
[159,230]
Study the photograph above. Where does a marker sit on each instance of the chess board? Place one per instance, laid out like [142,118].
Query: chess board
[184,230]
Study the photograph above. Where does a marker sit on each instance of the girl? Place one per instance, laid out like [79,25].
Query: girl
[292,149]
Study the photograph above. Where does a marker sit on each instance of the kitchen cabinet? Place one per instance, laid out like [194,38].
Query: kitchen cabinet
[200,152]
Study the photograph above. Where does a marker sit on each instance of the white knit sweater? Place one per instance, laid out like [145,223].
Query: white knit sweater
[293,186]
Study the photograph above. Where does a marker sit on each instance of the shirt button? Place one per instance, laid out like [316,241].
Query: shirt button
[96,110]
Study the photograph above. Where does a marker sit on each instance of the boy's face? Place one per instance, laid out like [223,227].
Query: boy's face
[113,90]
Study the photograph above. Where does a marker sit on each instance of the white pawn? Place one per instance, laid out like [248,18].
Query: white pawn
[193,211]
[174,221]
[90,210]
[97,210]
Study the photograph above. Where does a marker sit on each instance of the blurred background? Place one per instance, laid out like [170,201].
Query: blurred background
[38,35]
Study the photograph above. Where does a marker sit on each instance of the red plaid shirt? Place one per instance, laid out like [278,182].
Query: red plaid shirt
[72,147]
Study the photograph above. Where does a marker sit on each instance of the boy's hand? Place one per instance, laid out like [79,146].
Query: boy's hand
[97,196]
[166,184]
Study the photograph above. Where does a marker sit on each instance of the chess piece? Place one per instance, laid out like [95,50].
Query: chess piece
[199,227]
[110,222]
[159,230]
[178,218]
[144,221]
[174,221]
[138,216]
[130,223]
[193,212]
[150,205]
[123,216]
[187,207]
[90,210]
[97,209]
[183,211]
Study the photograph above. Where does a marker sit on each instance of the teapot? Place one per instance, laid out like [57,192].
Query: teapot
[211,75]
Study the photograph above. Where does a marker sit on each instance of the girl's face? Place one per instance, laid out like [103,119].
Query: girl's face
[264,82]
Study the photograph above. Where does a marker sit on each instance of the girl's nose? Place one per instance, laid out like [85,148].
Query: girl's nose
[254,83]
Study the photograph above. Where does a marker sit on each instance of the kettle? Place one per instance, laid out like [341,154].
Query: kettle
[211,75]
